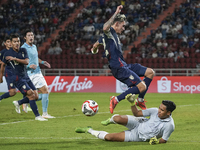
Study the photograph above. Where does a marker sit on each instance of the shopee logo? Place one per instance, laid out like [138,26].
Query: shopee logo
[189,88]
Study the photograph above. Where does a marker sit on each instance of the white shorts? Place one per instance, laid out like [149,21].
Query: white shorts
[38,80]
[133,123]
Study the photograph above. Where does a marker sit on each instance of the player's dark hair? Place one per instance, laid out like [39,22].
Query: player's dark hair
[6,38]
[170,106]
[26,31]
[120,18]
[14,35]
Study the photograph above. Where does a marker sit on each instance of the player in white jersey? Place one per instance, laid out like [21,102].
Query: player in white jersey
[34,72]
[159,125]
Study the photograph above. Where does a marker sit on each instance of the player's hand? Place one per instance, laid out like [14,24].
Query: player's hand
[153,141]
[119,8]
[9,58]
[131,98]
[47,64]
[33,66]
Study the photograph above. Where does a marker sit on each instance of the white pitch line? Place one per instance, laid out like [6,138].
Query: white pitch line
[1,124]
[45,138]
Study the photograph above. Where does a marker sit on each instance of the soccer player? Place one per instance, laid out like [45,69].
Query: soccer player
[7,44]
[159,125]
[127,73]
[34,71]
[16,58]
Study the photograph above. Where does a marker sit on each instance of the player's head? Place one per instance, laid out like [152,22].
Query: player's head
[166,108]
[119,23]
[7,42]
[29,36]
[15,41]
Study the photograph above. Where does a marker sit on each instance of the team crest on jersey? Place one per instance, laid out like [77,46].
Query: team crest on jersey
[24,86]
[131,77]
[23,54]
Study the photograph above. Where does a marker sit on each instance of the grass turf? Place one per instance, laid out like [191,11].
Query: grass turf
[21,131]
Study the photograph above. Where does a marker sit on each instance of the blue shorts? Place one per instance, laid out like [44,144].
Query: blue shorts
[23,84]
[130,74]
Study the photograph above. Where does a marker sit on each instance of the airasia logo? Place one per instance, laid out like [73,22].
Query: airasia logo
[60,85]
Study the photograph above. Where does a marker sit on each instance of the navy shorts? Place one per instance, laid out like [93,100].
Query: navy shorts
[130,74]
[23,84]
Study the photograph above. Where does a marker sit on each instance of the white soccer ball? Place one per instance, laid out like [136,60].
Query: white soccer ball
[90,108]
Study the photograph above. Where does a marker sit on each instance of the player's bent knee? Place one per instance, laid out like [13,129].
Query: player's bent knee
[31,94]
[142,87]
[12,93]
[150,73]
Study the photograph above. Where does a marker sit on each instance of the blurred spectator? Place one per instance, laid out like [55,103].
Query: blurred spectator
[57,49]
[143,41]
[133,49]
[191,43]
[159,43]
[170,54]
[154,54]
[158,35]
[51,50]
[186,54]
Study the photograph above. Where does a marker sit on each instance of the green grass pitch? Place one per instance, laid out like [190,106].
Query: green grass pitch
[22,132]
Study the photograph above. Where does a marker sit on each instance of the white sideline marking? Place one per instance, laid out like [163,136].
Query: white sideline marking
[1,124]
[45,138]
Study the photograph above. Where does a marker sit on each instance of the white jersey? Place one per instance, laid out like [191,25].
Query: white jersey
[155,126]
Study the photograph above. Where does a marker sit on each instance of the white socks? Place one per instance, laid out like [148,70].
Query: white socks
[140,99]
[98,134]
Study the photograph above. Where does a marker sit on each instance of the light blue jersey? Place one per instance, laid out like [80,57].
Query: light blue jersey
[155,126]
[33,59]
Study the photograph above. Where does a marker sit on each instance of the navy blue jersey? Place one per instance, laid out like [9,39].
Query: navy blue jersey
[14,67]
[2,53]
[113,49]
[1,57]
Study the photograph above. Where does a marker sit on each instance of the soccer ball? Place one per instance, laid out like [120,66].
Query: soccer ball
[90,108]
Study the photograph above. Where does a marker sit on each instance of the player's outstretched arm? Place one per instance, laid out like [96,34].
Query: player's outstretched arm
[44,63]
[22,61]
[131,98]
[95,47]
[107,25]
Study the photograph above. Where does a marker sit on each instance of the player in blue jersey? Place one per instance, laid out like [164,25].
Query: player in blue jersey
[159,125]
[127,73]
[16,59]
[7,44]
[34,72]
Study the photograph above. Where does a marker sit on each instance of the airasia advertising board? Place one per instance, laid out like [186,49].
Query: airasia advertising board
[169,84]
[81,84]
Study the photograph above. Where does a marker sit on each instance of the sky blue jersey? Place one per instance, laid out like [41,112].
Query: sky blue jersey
[33,59]
[113,49]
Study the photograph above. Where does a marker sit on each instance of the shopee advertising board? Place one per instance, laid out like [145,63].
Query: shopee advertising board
[169,84]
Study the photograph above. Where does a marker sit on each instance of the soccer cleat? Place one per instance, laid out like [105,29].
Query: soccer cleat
[113,103]
[106,122]
[47,116]
[17,107]
[40,118]
[141,104]
[82,130]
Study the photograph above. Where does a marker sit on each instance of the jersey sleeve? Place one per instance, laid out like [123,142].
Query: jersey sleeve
[149,112]
[167,131]
[100,40]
